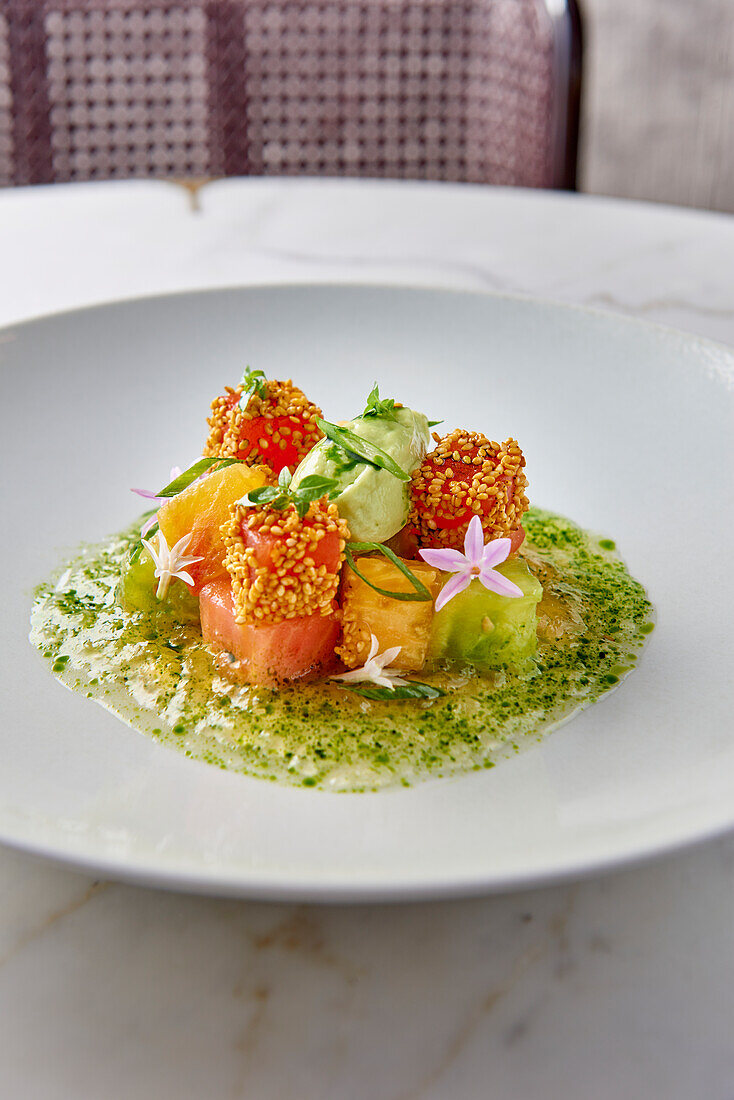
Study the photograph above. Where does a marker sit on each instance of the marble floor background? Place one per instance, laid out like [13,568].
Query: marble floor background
[619,986]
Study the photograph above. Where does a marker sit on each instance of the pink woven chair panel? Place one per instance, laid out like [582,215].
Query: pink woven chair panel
[436,89]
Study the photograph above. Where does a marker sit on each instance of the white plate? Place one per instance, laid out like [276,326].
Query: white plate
[626,428]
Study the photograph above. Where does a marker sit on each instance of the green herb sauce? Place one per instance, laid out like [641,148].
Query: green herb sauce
[159,677]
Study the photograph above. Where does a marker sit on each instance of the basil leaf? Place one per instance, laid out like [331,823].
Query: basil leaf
[413,690]
[421,593]
[284,478]
[434,423]
[365,451]
[316,481]
[188,476]
[264,494]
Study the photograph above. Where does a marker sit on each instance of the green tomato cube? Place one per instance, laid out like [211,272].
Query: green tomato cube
[137,591]
[489,631]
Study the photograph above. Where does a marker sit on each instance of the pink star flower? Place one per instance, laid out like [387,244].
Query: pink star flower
[476,563]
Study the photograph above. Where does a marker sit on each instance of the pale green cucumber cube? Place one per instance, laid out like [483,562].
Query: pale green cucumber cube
[137,591]
[480,628]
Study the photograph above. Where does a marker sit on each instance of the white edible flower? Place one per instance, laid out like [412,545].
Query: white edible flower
[374,668]
[170,563]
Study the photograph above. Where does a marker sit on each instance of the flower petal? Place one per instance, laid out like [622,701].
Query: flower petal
[162,544]
[474,541]
[181,563]
[388,656]
[449,561]
[184,576]
[178,549]
[146,493]
[152,550]
[495,582]
[452,588]
[150,522]
[374,645]
[495,552]
[354,676]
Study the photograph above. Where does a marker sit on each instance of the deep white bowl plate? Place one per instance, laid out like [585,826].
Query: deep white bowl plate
[627,428]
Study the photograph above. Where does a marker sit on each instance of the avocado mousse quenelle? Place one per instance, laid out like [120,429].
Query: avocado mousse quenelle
[371,498]
[387,613]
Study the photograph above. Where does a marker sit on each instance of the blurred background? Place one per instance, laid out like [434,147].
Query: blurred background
[658,109]
[439,89]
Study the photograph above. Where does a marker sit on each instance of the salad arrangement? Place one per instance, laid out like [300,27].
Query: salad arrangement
[312,546]
[316,579]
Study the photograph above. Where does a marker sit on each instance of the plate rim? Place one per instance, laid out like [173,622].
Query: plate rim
[608,314]
[230,881]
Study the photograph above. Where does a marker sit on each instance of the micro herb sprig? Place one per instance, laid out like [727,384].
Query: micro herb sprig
[412,689]
[253,381]
[385,408]
[421,593]
[362,450]
[378,407]
[281,495]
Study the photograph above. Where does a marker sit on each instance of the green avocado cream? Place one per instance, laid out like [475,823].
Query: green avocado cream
[156,674]
[373,502]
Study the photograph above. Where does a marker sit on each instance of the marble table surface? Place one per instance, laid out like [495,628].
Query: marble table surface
[614,986]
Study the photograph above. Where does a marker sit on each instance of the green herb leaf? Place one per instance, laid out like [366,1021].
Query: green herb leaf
[413,690]
[363,450]
[253,381]
[188,476]
[377,407]
[316,481]
[421,593]
[281,495]
[265,494]
[284,478]
[434,423]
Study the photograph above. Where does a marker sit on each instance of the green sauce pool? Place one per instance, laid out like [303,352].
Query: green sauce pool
[156,674]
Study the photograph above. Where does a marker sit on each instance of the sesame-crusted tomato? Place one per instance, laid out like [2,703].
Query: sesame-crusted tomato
[270,440]
[327,551]
[468,475]
[275,426]
[284,565]
[266,653]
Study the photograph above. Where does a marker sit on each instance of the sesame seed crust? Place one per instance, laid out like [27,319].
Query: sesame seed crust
[467,475]
[290,585]
[355,642]
[285,416]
